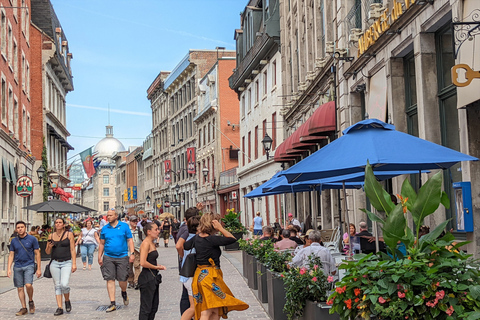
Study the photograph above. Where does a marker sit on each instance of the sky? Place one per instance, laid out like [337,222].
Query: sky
[119,47]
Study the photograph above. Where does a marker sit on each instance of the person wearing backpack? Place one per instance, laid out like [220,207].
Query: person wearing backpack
[135,267]
[24,251]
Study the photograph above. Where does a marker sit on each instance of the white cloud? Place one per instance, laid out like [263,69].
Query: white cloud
[136,113]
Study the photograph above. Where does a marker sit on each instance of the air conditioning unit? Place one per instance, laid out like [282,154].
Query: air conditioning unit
[375,11]
[355,34]
[329,47]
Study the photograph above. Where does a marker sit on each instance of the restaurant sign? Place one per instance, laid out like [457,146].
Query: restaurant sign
[382,24]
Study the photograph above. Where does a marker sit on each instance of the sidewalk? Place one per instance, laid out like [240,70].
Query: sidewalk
[89,293]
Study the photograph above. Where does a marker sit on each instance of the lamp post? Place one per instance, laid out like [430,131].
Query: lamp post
[205,173]
[40,173]
[267,144]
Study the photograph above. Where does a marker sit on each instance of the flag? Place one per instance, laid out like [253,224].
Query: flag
[87,161]
[168,166]
[68,170]
[191,160]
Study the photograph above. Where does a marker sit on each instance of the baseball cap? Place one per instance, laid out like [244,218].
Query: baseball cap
[290,214]
[133,218]
[308,232]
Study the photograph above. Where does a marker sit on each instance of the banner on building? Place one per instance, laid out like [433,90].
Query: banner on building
[125,195]
[87,161]
[168,167]
[191,160]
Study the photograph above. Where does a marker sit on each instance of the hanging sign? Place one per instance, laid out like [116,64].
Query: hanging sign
[468,76]
[24,186]
[168,167]
[191,160]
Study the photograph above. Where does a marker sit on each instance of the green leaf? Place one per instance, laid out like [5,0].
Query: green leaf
[379,198]
[372,216]
[474,316]
[428,199]
[394,227]
[475,292]
[395,278]
[409,193]
[445,201]
[433,235]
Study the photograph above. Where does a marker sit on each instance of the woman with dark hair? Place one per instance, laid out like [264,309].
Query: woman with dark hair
[212,298]
[61,245]
[166,228]
[147,283]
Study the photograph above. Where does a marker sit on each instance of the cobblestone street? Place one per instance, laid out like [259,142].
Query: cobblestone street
[89,293]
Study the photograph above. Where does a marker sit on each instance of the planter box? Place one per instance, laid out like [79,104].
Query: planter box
[318,311]
[43,245]
[252,272]
[262,282]
[276,296]
[234,246]
[244,263]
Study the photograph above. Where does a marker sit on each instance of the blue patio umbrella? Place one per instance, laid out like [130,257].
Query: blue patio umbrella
[384,147]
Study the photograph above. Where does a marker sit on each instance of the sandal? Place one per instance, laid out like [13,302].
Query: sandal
[84,268]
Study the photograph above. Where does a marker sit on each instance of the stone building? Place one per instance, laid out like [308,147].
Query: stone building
[15,117]
[257,79]
[148,178]
[121,196]
[218,142]
[173,100]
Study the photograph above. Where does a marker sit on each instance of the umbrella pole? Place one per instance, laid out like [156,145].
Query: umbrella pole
[347,219]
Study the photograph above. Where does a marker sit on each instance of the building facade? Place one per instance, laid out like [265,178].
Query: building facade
[257,79]
[218,142]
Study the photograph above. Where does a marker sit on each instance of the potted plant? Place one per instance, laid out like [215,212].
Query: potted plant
[250,262]
[245,246]
[262,249]
[276,263]
[434,280]
[231,222]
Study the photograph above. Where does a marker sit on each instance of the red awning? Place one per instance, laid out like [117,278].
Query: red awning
[68,195]
[300,133]
[59,191]
[323,119]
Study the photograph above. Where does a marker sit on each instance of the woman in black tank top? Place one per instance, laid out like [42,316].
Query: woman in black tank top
[147,280]
[61,245]
[166,228]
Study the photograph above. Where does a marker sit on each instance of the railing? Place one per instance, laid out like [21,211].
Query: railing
[228,177]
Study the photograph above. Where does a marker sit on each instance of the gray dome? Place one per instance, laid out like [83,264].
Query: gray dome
[108,145]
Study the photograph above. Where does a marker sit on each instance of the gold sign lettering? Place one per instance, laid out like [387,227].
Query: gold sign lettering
[381,24]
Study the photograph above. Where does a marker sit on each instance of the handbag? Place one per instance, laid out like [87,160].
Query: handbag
[157,278]
[190,264]
[47,273]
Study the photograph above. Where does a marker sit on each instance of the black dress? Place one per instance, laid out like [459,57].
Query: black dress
[149,298]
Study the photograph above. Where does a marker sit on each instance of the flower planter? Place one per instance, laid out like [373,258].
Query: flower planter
[43,255]
[244,264]
[262,282]
[314,311]
[252,273]
[234,246]
[276,296]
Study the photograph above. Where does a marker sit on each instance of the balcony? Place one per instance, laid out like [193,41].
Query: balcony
[251,61]
[228,178]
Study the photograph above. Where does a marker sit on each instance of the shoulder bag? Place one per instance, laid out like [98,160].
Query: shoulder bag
[34,262]
[190,264]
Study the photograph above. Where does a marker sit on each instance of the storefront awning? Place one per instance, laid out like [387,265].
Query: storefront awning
[13,175]
[323,119]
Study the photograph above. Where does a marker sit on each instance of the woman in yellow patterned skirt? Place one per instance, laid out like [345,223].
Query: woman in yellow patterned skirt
[213,299]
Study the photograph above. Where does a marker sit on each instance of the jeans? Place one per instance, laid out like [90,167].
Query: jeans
[61,272]
[87,250]
[23,275]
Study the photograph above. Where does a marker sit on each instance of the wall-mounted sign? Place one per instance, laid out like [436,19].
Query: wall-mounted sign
[24,187]
[468,76]
[53,185]
[382,24]
[234,194]
[167,204]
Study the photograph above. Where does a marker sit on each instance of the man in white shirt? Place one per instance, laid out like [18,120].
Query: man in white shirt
[293,221]
[301,257]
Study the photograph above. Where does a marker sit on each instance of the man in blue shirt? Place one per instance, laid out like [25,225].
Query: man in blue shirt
[115,253]
[24,250]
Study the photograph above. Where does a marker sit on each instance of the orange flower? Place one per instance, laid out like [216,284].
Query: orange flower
[357,291]
[348,303]
[403,202]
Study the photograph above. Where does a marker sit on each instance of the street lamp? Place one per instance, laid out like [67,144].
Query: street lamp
[177,188]
[148,199]
[40,173]
[267,144]
[205,172]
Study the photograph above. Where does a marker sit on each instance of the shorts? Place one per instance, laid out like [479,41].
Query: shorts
[165,234]
[23,275]
[115,268]
[188,286]
[257,232]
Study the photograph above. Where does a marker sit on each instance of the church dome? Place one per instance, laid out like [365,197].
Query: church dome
[109,145]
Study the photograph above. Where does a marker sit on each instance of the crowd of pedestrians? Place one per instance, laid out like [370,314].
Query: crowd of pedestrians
[128,254]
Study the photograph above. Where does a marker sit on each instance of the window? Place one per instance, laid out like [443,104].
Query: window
[265,82]
[3,21]
[28,130]
[199,137]
[242,106]
[264,131]
[15,60]
[24,127]
[274,131]
[249,100]
[213,129]
[106,179]
[411,94]
[106,206]
[208,132]
[4,100]
[10,108]
[257,89]
[256,143]
[10,46]
[243,151]
[106,192]
[249,146]
[15,118]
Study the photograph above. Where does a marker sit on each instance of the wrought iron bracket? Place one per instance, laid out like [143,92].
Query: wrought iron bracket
[465,30]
